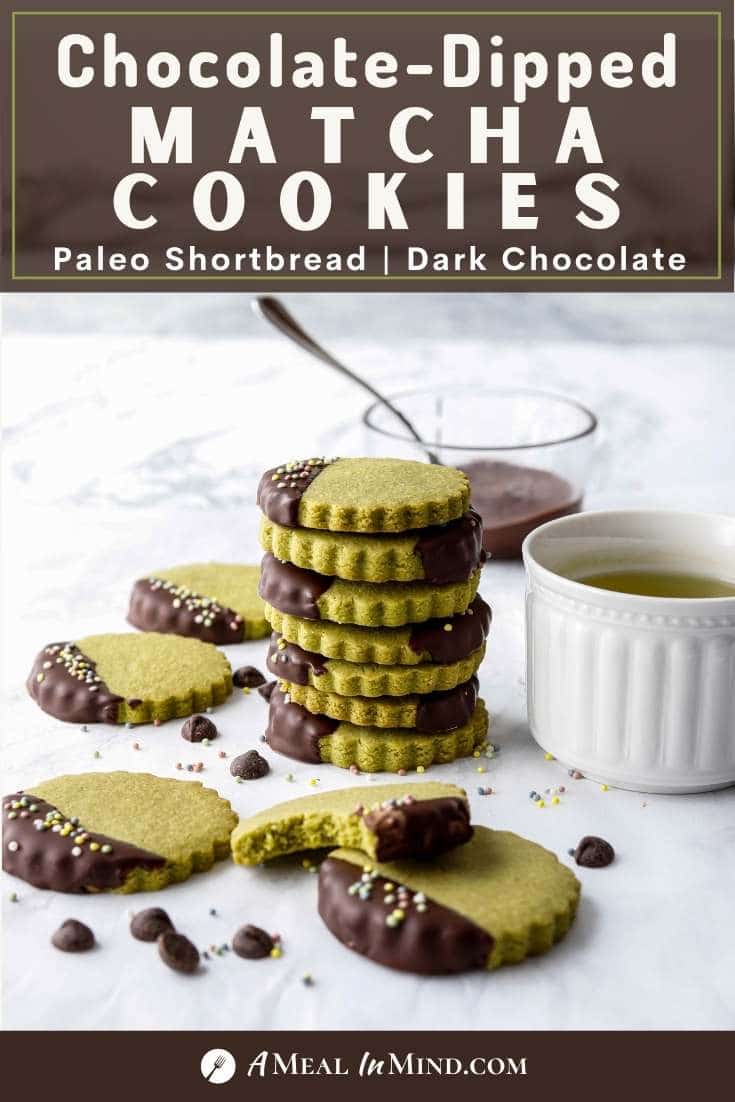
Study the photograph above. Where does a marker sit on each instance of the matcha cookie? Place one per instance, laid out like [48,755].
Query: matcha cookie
[426,714]
[297,733]
[438,554]
[331,675]
[363,495]
[494,901]
[120,832]
[129,678]
[310,596]
[386,822]
[212,601]
[445,640]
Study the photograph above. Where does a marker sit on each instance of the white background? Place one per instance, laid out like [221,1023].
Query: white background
[135,428]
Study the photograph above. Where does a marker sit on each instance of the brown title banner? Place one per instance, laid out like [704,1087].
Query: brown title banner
[530,148]
[517,1066]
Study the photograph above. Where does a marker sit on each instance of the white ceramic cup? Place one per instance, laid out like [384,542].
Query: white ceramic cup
[637,692]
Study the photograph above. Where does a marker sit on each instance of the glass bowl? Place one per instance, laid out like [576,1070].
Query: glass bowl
[527,452]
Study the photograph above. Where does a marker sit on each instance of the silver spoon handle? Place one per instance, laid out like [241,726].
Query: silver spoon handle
[273,310]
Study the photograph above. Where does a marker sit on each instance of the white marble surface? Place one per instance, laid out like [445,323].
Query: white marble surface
[134,429]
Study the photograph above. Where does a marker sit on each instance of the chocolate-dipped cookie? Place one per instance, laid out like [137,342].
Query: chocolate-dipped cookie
[495,900]
[215,602]
[119,832]
[362,495]
[299,734]
[385,822]
[128,678]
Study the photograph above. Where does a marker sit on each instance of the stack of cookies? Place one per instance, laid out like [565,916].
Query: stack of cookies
[370,585]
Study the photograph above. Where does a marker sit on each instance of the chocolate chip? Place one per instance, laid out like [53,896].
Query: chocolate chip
[252,943]
[249,766]
[247,677]
[178,952]
[594,853]
[197,728]
[73,937]
[148,925]
[266,690]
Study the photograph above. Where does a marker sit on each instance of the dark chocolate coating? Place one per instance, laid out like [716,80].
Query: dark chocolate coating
[152,609]
[447,710]
[469,632]
[44,858]
[280,490]
[452,552]
[293,663]
[423,828]
[437,941]
[65,696]
[292,589]
[295,732]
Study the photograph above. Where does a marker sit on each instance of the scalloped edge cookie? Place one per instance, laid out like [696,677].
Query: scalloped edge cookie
[427,713]
[363,494]
[389,646]
[82,840]
[110,678]
[514,890]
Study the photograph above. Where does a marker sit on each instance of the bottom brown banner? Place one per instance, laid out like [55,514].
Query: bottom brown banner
[77,1066]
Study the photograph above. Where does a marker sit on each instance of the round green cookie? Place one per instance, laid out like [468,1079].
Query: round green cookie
[120,832]
[419,819]
[494,901]
[296,666]
[297,733]
[441,553]
[212,601]
[447,639]
[425,713]
[363,495]
[129,678]
[287,588]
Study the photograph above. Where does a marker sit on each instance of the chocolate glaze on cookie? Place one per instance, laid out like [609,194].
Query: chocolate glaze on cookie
[452,552]
[64,683]
[453,638]
[429,939]
[292,589]
[159,605]
[419,828]
[444,711]
[281,489]
[291,662]
[295,732]
[64,860]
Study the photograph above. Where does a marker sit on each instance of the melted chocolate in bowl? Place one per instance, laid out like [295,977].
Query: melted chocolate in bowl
[514,500]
